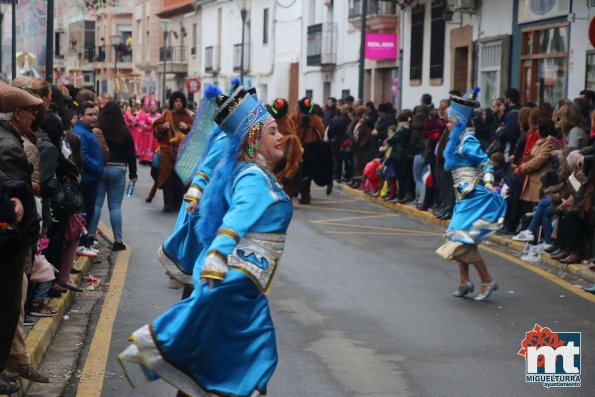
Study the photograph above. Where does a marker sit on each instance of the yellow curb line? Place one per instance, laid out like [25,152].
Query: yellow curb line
[93,373]
[552,277]
[578,270]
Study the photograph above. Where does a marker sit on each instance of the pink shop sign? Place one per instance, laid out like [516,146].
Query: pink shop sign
[381,46]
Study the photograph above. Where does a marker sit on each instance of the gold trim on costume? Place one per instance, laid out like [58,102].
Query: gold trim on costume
[218,254]
[203,175]
[225,231]
[214,274]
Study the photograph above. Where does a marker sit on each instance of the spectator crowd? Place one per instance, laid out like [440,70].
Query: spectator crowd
[63,151]
[542,155]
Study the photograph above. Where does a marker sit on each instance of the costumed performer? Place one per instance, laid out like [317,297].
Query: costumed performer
[169,130]
[287,168]
[146,143]
[221,340]
[179,252]
[479,211]
[208,142]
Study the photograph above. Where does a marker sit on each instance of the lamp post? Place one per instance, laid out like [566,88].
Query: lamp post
[165,22]
[362,51]
[116,40]
[244,6]
[403,5]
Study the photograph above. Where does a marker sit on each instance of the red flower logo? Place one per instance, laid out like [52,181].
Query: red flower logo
[538,337]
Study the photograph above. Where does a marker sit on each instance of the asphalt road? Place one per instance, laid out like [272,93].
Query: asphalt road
[363,307]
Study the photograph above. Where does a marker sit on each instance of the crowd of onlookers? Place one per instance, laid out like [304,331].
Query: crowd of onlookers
[62,152]
[541,153]
[59,158]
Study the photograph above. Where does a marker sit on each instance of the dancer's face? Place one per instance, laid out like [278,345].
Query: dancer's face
[270,144]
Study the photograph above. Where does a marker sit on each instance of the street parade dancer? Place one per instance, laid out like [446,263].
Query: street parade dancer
[221,340]
[205,145]
[479,211]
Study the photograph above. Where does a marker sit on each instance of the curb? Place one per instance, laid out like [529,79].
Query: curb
[40,336]
[578,269]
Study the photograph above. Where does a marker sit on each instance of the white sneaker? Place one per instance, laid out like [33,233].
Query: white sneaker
[84,251]
[531,258]
[524,235]
[93,250]
[547,246]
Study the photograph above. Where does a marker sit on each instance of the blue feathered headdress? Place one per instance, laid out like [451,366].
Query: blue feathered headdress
[237,115]
[196,143]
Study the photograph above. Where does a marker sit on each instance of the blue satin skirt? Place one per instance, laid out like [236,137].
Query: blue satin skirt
[476,216]
[183,246]
[222,339]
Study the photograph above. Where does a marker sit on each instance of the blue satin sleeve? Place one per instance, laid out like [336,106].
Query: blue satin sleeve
[471,151]
[250,198]
[212,158]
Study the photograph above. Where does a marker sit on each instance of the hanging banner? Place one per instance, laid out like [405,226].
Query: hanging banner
[380,46]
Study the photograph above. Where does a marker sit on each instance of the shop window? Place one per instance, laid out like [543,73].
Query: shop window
[489,70]
[544,63]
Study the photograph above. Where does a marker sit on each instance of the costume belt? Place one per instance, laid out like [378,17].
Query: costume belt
[465,180]
[257,255]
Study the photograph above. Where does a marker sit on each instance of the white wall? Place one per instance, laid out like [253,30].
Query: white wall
[344,76]
[412,94]
[579,45]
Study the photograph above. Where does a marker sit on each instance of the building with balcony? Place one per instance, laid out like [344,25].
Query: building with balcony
[271,46]
[113,60]
[177,18]
[146,44]
[382,28]
[541,49]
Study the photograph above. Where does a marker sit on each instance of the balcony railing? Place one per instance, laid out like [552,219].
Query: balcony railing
[322,44]
[375,7]
[173,54]
[237,57]
[212,59]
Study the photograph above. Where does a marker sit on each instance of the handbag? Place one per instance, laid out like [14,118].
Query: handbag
[69,198]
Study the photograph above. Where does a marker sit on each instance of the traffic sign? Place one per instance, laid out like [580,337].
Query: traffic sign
[193,85]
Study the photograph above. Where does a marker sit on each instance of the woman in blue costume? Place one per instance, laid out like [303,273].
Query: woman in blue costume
[179,252]
[479,211]
[221,340]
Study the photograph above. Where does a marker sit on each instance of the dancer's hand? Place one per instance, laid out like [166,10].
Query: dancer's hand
[191,207]
[210,280]
[489,187]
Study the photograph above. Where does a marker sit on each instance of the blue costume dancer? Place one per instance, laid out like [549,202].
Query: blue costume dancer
[221,340]
[478,211]
[179,252]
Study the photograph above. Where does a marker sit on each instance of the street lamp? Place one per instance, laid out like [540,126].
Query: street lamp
[244,6]
[165,22]
[116,41]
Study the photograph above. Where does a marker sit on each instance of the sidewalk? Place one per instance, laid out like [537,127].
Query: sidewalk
[579,269]
[40,335]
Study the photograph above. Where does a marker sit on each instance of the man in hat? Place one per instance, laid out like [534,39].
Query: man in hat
[17,112]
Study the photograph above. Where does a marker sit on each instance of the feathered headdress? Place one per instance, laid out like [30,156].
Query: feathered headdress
[196,143]
[241,117]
